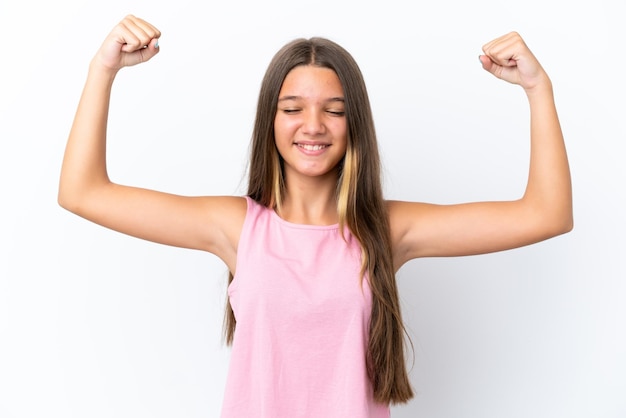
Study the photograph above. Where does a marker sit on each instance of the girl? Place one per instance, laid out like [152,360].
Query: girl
[313,313]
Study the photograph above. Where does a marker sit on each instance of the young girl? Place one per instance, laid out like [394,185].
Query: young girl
[313,313]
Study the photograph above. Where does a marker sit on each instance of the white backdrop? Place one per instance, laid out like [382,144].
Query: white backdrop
[97,324]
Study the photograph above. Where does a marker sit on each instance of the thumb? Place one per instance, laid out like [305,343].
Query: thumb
[488,64]
[506,71]
[142,54]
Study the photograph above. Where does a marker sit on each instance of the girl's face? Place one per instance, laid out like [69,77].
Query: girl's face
[310,126]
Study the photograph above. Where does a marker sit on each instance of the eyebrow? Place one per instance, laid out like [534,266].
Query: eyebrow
[332,99]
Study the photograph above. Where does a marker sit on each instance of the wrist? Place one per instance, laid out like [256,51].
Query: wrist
[99,70]
[540,89]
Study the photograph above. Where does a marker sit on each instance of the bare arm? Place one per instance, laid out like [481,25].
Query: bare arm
[206,223]
[545,209]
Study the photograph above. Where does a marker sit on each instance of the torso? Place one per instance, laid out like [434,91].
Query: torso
[302,331]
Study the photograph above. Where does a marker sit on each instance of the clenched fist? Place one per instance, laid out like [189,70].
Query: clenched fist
[509,59]
[132,41]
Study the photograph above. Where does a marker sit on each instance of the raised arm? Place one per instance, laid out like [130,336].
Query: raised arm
[545,209]
[206,223]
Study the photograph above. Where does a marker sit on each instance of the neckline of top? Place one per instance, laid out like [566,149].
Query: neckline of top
[277,218]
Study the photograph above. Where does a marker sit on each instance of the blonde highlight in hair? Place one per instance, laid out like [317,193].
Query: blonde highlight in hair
[278,184]
[346,186]
[360,204]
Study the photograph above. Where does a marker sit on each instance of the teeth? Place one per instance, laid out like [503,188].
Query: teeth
[312,147]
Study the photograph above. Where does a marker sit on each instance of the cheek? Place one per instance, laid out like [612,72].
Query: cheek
[283,128]
[278,129]
[341,132]
[280,136]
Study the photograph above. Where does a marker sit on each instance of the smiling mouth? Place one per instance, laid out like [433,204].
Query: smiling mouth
[310,147]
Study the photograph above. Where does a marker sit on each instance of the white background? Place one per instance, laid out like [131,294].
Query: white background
[97,324]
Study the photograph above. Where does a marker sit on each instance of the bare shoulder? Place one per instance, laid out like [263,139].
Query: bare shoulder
[400,212]
[218,224]
[225,214]
[228,208]
[397,207]
[405,215]
[403,222]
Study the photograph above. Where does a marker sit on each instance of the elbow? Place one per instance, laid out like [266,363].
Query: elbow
[550,218]
[560,225]
[76,195]
[564,228]
[568,227]
[71,198]
[547,230]
[66,193]
[81,200]
[567,218]
[65,200]
[546,223]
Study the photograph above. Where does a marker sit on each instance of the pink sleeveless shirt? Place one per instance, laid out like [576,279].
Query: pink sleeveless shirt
[302,323]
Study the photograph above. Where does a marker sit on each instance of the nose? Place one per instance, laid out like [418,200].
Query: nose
[313,123]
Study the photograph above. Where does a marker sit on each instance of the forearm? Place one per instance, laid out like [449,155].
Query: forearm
[549,190]
[84,162]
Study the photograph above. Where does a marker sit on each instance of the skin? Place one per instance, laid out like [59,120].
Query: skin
[310,112]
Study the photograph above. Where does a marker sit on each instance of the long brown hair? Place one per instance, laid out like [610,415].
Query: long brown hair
[360,203]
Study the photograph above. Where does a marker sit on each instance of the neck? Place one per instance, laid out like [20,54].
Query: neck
[310,201]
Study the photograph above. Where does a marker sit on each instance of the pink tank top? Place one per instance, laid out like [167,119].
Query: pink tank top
[302,323]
